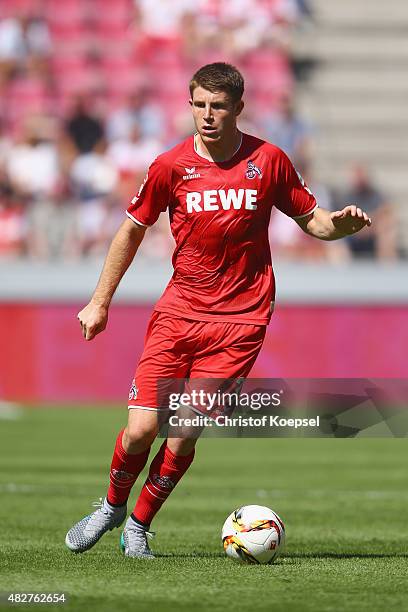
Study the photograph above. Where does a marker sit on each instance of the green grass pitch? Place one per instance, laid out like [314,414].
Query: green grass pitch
[344,503]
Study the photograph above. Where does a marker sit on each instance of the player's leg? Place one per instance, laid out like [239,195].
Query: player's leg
[129,458]
[166,360]
[133,443]
[172,460]
[230,352]
[166,470]
[131,453]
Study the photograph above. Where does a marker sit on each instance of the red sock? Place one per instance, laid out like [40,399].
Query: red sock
[165,471]
[124,471]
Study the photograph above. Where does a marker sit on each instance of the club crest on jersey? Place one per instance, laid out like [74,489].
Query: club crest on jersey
[133,391]
[190,174]
[252,170]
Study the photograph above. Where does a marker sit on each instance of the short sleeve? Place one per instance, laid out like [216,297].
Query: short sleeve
[153,196]
[294,197]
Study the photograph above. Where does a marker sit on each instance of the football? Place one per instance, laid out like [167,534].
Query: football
[253,534]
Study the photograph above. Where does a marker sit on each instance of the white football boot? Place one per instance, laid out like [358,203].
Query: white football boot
[84,534]
[134,541]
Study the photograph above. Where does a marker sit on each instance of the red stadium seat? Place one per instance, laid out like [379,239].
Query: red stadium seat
[67,63]
[10,8]
[162,51]
[114,9]
[67,30]
[124,83]
[67,11]
[25,97]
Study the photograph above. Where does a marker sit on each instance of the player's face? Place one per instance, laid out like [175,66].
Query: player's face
[214,114]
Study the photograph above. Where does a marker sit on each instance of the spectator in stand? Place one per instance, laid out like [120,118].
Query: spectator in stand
[93,179]
[22,39]
[381,242]
[289,244]
[51,229]
[162,23]
[131,157]
[32,164]
[93,174]
[33,170]
[137,111]
[133,154]
[12,48]
[84,129]
[37,36]
[305,9]
[13,225]
[77,190]
[226,23]
[190,38]
[287,130]
[5,145]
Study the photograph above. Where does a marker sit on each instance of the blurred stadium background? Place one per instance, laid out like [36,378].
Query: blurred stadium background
[92,90]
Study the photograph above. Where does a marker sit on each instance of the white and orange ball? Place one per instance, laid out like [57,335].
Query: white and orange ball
[253,534]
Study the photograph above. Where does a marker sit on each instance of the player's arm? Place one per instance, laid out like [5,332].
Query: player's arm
[327,225]
[94,317]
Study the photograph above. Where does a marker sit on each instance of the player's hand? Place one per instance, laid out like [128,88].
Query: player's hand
[93,320]
[350,220]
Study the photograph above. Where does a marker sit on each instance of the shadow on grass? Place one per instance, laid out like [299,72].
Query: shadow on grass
[317,555]
[345,555]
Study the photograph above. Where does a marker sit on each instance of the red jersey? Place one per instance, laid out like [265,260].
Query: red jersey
[219,216]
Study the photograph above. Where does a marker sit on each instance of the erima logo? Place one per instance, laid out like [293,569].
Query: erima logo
[191,174]
[221,200]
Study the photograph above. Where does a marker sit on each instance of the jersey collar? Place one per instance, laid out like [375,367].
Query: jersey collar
[210,161]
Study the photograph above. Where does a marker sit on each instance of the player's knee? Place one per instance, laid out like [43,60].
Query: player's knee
[182,446]
[139,435]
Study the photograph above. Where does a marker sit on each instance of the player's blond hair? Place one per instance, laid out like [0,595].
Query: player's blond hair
[219,76]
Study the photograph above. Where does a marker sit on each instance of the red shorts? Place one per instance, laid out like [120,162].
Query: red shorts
[178,348]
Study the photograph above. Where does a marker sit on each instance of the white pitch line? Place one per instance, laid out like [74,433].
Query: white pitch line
[12,487]
[10,411]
